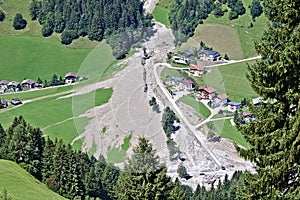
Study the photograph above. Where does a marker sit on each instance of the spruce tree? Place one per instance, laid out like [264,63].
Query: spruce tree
[143,176]
[274,135]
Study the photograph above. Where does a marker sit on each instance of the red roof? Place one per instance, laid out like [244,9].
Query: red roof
[189,82]
[222,96]
[198,68]
[209,90]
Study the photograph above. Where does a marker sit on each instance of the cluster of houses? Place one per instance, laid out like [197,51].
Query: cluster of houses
[204,55]
[29,84]
[181,84]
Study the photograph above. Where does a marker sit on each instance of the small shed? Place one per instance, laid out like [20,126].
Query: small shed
[16,101]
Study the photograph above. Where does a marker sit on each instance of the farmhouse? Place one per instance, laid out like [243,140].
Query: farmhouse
[207,93]
[209,55]
[186,53]
[197,70]
[180,60]
[16,102]
[71,77]
[13,85]
[3,103]
[3,84]
[232,105]
[28,84]
[223,98]
[188,84]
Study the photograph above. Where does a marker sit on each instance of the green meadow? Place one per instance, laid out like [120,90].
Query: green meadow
[161,12]
[58,117]
[233,37]
[231,79]
[20,185]
[226,130]
[199,107]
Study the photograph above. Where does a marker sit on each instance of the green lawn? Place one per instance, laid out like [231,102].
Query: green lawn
[118,154]
[56,115]
[232,80]
[226,130]
[32,94]
[20,185]
[168,73]
[222,38]
[161,14]
[33,57]
[201,109]
[246,35]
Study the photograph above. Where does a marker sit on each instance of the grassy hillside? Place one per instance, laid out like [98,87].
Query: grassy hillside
[161,12]
[20,185]
[223,38]
[59,119]
[233,35]
[232,80]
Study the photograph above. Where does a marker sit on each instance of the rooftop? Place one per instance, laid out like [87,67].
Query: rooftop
[198,68]
[209,90]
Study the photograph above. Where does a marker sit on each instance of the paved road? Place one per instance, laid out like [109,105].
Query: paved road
[217,65]
[199,136]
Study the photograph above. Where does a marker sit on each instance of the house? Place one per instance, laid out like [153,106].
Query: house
[3,103]
[71,77]
[247,117]
[257,101]
[223,98]
[232,105]
[209,55]
[186,54]
[16,102]
[188,84]
[176,80]
[197,70]
[3,84]
[207,93]
[13,85]
[180,60]
[28,84]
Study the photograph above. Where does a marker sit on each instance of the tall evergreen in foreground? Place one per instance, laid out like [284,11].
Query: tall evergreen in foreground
[274,135]
[144,178]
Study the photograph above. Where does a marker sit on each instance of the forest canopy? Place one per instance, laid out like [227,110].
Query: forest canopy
[96,19]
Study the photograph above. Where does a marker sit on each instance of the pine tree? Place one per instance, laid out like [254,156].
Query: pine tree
[143,177]
[274,135]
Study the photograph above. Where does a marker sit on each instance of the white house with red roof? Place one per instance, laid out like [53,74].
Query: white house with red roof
[197,70]
[207,93]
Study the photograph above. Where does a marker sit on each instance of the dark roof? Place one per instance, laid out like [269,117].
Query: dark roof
[187,52]
[210,52]
[71,74]
[16,101]
[176,79]
[233,103]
